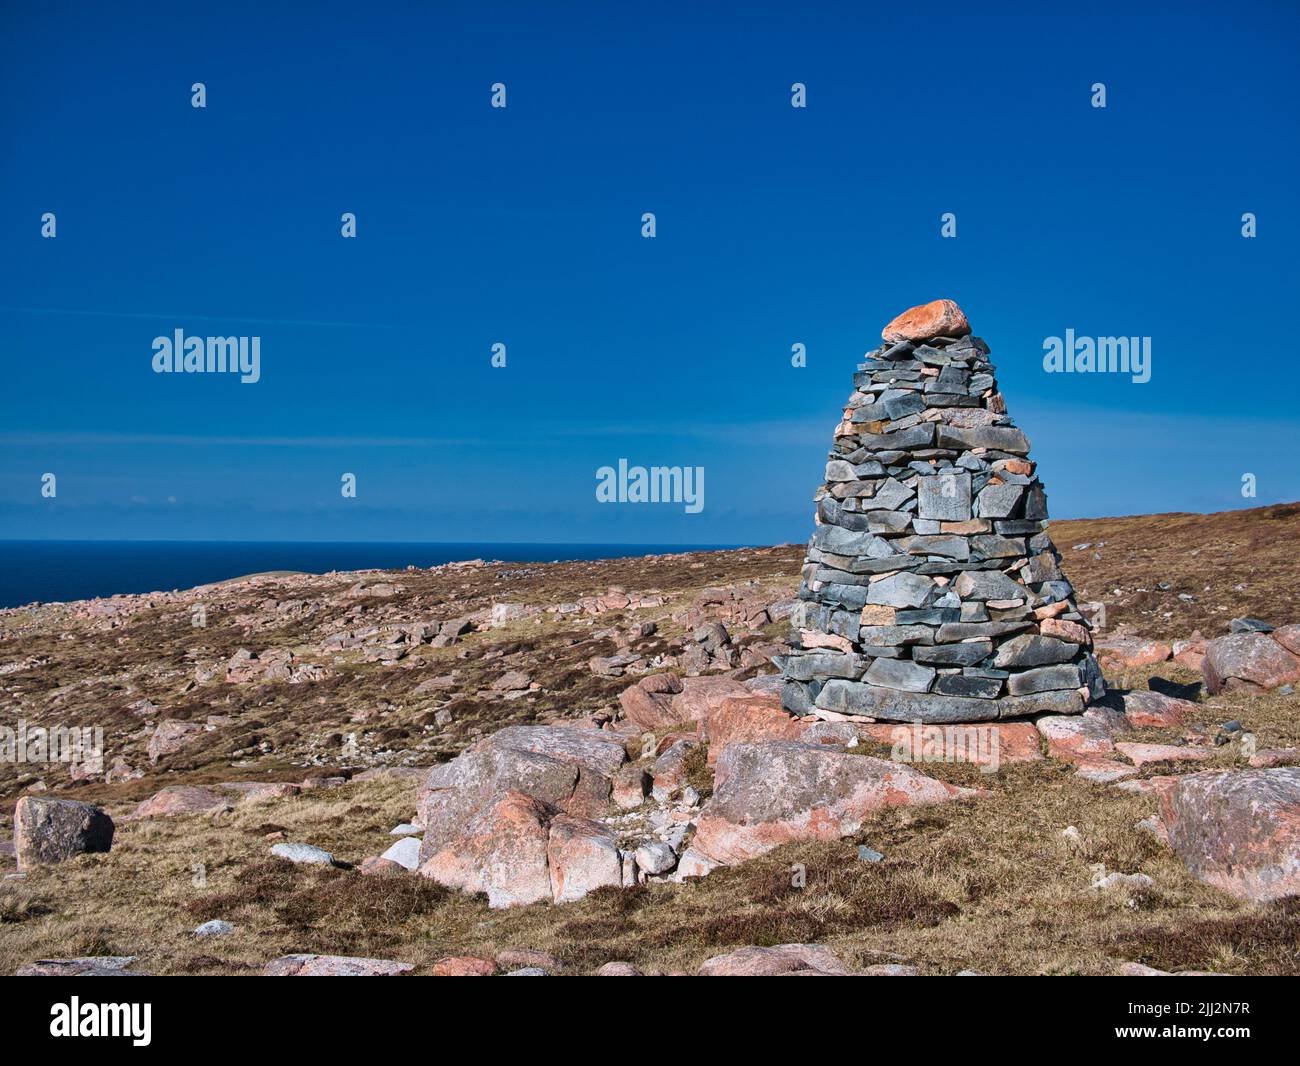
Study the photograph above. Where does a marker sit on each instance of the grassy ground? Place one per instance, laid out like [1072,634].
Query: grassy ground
[990,885]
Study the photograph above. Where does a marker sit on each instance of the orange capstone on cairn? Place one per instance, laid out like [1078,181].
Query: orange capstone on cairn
[938,318]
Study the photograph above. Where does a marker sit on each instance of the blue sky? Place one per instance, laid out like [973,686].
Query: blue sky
[522,225]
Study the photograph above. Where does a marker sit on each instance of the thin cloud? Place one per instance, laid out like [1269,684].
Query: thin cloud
[108,439]
[173,317]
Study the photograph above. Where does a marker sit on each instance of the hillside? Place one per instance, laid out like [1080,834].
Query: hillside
[340,689]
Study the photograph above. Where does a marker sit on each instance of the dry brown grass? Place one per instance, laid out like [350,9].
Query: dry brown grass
[989,885]
[1233,563]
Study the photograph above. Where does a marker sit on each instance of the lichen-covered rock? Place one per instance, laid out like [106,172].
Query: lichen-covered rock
[938,318]
[1250,661]
[1238,830]
[775,793]
[783,959]
[566,767]
[53,830]
[500,851]
[333,966]
[181,799]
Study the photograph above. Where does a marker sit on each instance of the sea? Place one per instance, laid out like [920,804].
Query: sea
[54,571]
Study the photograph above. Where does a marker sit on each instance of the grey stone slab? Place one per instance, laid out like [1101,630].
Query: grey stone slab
[958,631]
[998,501]
[1058,701]
[903,674]
[988,585]
[896,636]
[1031,649]
[980,688]
[1044,679]
[921,436]
[954,654]
[816,665]
[945,496]
[995,438]
[900,590]
[850,697]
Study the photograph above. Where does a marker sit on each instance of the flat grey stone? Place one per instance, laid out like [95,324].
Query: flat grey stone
[995,438]
[895,636]
[406,852]
[839,470]
[998,501]
[954,654]
[900,674]
[888,521]
[900,590]
[1044,679]
[921,436]
[945,496]
[1031,649]
[851,697]
[655,857]
[945,545]
[955,631]
[891,495]
[980,688]
[992,546]
[812,665]
[988,585]
[303,853]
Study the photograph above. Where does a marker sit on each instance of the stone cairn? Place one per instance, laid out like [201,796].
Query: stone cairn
[931,591]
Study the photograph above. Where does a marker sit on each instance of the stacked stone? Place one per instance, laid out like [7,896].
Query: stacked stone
[931,591]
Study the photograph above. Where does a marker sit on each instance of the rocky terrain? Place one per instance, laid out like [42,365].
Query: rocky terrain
[574,768]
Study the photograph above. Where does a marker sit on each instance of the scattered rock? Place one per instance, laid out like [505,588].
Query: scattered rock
[89,966]
[515,958]
[1152,709]
[181,799]
[582,856]
[775,961]
[618,969]
[500,851]
[308,854]
[52,830]
[374,866]
[670,770]
[766,795]
[1238,830]
[333,966]
[406,853]
[1125,653]
[750,717]
[648,703]
[463,966]
[1250,661]
[171,736]
[655,857]
[631,785]
[1142,754]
